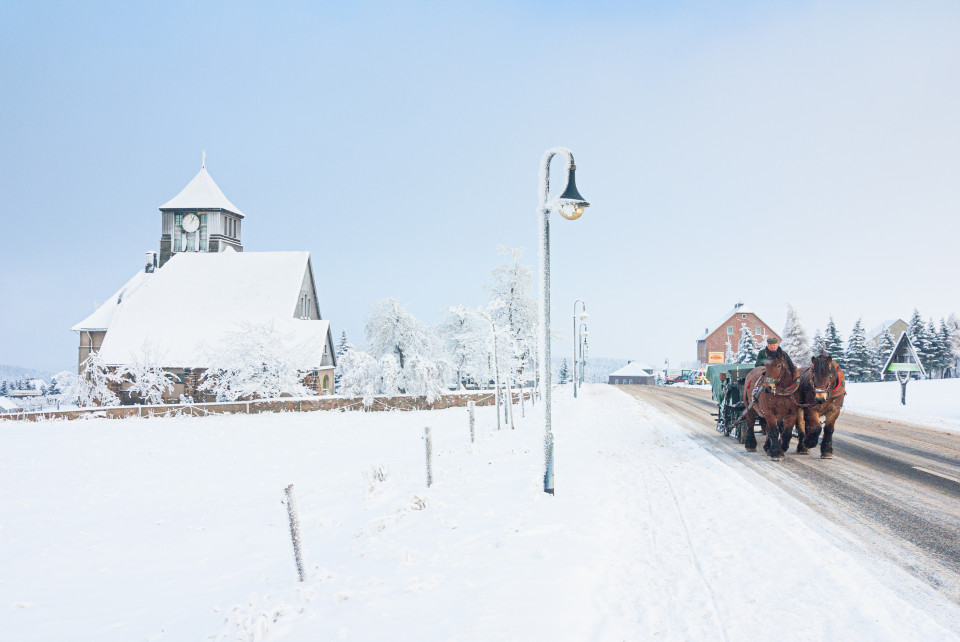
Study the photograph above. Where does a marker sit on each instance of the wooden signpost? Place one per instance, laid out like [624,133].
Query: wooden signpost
[904,363]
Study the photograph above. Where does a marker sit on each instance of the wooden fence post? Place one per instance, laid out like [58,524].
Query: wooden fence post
[294,529]
[429,439]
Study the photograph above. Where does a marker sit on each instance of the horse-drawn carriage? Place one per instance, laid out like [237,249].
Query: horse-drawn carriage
[728,382]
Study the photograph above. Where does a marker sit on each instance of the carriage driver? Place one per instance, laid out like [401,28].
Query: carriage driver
[773,344]
[767,353]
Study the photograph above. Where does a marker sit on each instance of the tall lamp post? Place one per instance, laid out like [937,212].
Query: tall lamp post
[570,205]
[582,317]
[584,351]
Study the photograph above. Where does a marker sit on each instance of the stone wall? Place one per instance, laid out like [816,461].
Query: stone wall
[308,404]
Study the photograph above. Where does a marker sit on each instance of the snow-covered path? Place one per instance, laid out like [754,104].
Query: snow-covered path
[173,529]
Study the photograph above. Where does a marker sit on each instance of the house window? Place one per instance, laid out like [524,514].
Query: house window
[743,316]
[729,329]
[759,330]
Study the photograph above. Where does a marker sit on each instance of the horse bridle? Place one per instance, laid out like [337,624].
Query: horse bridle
[777,390]
[836,372]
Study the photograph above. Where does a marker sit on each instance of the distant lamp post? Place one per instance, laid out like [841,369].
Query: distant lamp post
[570,205]
[576,340]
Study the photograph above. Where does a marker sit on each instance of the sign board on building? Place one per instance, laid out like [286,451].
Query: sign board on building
[715,357]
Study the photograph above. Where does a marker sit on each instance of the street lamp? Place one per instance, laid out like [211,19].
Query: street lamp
[582,317]
[584,351]
[570,205]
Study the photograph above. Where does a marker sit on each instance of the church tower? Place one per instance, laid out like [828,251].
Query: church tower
[199,219]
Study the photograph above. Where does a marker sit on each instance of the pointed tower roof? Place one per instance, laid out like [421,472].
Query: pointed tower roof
[200,194]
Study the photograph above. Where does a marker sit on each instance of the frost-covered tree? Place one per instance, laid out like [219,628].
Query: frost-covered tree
[794,338]
[953,344]
[939,347]
[885,346]
[259,362]
[818,345]
[392,330]
[747,346]
[93,385]
[145,377]
[465,338]
[833,344]
[564,374]
[917,331]
[360,375]
[512,291]
[342,348]
[856,359]
[729,356]
[3,387]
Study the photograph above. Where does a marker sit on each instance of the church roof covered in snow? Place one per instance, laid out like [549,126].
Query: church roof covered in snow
[201,193]
[101,317]
[198,303]
[634,369]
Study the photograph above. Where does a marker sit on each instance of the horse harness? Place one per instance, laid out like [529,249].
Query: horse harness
[839,391]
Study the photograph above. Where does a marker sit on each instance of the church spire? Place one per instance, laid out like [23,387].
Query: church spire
[203,159]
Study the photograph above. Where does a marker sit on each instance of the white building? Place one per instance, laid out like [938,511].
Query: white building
[185,311]
[633,373]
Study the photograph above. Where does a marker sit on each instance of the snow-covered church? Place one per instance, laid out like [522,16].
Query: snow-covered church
[202,296]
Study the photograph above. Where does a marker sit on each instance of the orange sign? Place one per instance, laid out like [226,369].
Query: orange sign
[715,357]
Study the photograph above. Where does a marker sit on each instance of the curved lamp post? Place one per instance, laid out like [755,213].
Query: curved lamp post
[583,316]
[570,205]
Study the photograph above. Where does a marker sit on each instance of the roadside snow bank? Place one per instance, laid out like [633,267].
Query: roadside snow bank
[932,403]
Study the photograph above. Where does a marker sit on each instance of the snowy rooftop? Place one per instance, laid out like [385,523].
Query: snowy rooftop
[101,317]
[197,303]
[877,331]
[634,369]
[740,309]
[201,193]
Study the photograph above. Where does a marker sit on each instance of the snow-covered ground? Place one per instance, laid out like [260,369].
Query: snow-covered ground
[934,403]
[174,529]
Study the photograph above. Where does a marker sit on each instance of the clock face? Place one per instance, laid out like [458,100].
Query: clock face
[190,223]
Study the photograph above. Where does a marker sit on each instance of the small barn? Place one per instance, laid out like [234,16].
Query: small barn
[634,373]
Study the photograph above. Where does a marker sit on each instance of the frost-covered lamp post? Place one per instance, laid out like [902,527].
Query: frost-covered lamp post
[576,339]
[570,205]
[584,350]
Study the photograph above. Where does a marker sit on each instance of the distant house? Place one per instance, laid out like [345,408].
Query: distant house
[10,405]
[634,373]
[712,344]
[896,327]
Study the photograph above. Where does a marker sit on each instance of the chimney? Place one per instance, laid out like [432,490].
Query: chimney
[151,263]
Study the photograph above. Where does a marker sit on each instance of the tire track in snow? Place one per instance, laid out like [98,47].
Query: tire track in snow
[696,558]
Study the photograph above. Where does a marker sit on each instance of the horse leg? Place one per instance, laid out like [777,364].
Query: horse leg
[801,433]
[826,447]
[812,419]
[775,433]
[750,443]
[786,435]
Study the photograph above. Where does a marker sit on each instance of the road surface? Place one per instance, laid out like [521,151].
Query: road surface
[891,488]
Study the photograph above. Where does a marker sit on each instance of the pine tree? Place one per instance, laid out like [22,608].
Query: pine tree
[3,388]
[747,347]
[939,347]
[918,337]
[564,372]
[885,346]
[953,344]
[794,338]
[818,344]
[729,356]
[857,359]
[342,348]
[833,344]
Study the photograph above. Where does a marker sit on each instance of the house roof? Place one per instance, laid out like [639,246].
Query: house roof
[199,302]
[886,325]
[737,309]
[201,193]
[634,369]
[101,317]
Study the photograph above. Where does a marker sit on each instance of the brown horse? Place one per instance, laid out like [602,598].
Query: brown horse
[822,389]
[778,404]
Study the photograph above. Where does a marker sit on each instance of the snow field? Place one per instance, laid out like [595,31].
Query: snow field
[174,529]
[932,403]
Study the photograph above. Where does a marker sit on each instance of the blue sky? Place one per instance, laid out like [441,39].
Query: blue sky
[400,145]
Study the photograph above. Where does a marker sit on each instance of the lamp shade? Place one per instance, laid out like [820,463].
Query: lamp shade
[570,203]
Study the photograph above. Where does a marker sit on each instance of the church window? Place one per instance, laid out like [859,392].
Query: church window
[177,232]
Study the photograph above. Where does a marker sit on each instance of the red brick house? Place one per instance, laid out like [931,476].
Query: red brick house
[712,344]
